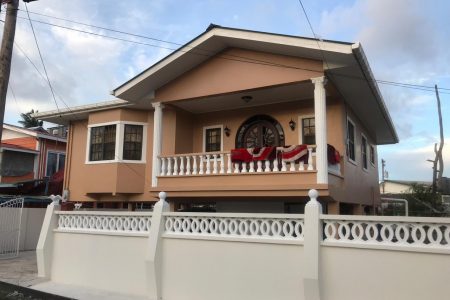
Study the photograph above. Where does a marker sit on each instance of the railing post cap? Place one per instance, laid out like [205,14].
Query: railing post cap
[313,194]
[162,196]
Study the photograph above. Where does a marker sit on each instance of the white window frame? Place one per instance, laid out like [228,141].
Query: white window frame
[353,161]
[204,135]
[372,146]
[58,153]
[363,136]
[120,131]
[300,126]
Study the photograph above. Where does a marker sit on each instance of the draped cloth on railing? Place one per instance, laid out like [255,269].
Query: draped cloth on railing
[294,153]
[252,154]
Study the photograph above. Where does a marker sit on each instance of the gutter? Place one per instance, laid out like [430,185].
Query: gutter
[364,65]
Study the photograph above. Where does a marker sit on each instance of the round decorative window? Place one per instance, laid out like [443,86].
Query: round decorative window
[260,131]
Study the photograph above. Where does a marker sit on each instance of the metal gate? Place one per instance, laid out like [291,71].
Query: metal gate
[10,219]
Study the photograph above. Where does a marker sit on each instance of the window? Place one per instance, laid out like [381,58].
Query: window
[364,151]
[103,143]
[55,162]
[132,142]
[213,139]
[308,131]
[351,140]
[120,141]
[372,155]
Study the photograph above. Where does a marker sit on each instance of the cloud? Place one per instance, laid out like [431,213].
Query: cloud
[411,163]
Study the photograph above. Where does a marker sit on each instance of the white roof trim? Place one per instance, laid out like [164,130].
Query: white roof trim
[237,34]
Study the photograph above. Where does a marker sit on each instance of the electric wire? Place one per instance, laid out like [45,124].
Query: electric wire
[227,57]
[42,59]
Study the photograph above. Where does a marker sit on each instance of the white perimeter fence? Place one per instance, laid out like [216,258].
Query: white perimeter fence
[170,255]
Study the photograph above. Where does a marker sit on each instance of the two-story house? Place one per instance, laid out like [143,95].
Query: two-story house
[235,120]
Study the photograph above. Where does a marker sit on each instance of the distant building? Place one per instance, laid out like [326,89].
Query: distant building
[399,186]
[30,153]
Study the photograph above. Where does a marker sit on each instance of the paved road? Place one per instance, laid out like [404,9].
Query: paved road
[21,270]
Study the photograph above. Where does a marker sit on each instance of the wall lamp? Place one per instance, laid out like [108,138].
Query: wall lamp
[227,131]
[292,124]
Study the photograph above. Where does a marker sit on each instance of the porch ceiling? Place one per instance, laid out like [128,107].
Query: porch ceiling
[271,95]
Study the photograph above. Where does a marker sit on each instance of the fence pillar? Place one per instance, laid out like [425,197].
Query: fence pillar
[44,248]
[154,249]
[312,239]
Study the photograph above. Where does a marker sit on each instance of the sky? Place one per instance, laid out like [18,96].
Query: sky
[404,40]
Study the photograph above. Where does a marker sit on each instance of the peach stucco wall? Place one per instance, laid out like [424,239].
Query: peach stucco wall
[183,133]
[234,70]
[107,181]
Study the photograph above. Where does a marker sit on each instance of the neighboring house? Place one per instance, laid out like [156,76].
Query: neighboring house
[30,153]
[399,186]
[189,126]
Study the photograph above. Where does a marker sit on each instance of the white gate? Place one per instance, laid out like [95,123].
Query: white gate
[10,219]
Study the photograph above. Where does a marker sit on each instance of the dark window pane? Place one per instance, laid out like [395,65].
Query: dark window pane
[351,140]
[51,164]
[132,142]
[364,152]
[103,143]
[308,131]
[61,161]
[213,137]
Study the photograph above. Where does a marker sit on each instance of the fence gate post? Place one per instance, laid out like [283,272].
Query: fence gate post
[154,249]
[44,248]
[312,239]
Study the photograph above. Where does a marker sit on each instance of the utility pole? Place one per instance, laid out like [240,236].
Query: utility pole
[9,32]
[383,165]
[439,160]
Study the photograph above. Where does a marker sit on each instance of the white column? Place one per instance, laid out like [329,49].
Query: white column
[311,247]
[157,140]
[320,115]
[154,251]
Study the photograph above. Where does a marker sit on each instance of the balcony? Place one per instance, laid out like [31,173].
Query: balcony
[220,163]
[214,174]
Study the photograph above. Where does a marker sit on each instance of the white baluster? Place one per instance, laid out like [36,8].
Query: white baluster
[188,165]
[201,165]
[301,166]
[229,169]
[222,164]
[292,166]
[244,168]
[252,167]
[310,159]
[181,165]
[215,170]
[194,168]
[208,164]
[267,167]
[175,166]
[283,166]
[163,166]
[275,165]
[236,167]
[169,166]
[259,164]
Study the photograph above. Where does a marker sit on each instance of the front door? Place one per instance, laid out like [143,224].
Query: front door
[260,131]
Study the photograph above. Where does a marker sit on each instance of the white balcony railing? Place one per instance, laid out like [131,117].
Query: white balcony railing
[216,163]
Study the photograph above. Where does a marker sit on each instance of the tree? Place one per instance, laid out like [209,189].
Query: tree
[29,121]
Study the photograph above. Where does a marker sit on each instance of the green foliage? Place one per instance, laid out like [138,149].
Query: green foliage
[29,121]
[424,203]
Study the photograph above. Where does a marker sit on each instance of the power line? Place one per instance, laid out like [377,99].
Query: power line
[42,59]
[179,44]
[227,57]
[314,34]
